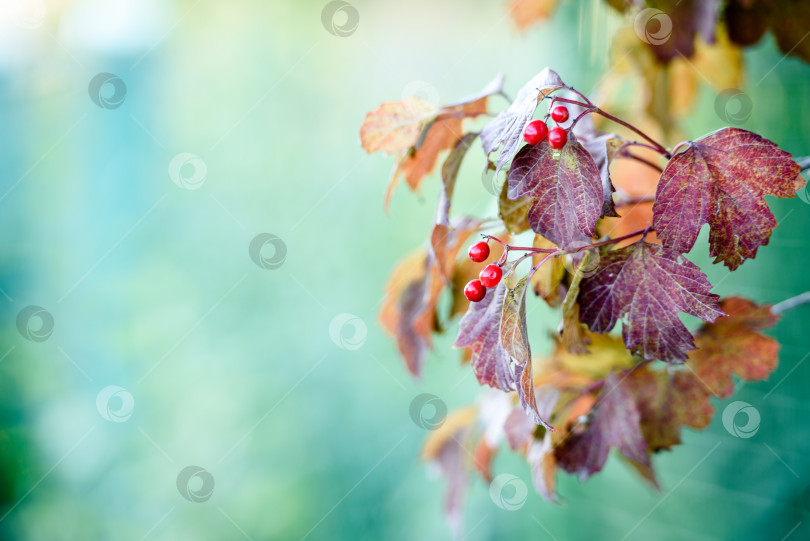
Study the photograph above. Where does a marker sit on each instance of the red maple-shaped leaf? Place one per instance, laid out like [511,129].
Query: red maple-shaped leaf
[566,188]
[721,180]
[616,422]
[507,127]
[734,345]
[666,402]
[479,330]
[646,286]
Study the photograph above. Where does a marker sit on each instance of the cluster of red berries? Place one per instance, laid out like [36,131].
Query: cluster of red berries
[536,130]
[490,275]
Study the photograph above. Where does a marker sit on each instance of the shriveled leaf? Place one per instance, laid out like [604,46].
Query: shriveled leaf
[515,214]
[721,180]
[734,345]
[606,353]
[444,448]
[408,312]
[547,279]
[527,12]
[544,467]
[479,330]
[395,126]
[672,33]
[507,127]
[747,21]
[647,286]
[666,402]
[615,422]
[567,191]
[450,169]
[518,429]
[442,134]
[573,333]
[514,335]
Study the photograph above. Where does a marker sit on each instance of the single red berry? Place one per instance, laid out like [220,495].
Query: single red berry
[535,131]
[479,252]
[557,138]
[475,290]
[490,275]
[560,113]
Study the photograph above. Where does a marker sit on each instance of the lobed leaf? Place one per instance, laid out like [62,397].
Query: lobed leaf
[566,188]
[647,286]
[721,180]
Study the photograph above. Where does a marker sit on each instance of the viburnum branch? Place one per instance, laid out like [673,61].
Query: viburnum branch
[792,302]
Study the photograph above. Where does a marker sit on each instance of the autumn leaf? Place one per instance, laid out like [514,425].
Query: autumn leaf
[526,12]
[647,286]
[669,27]
[667,401]
[606,353]
[721,180]
[514,214]
[543,463]
[395,126]
[479,330]
[734,345]
[450,169]
[518,429]
[547,279]
[444,448]
[574,336]
[507,127]
[748,20]
[567,191]
[514,335]
[408,312]
[614,422]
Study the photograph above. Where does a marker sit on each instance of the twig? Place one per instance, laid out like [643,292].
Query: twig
[793,302]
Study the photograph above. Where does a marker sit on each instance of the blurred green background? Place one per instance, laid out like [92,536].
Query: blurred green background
[230,366]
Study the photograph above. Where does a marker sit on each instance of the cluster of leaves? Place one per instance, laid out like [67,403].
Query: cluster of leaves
[596,390]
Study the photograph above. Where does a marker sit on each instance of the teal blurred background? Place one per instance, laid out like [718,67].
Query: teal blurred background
[228,366]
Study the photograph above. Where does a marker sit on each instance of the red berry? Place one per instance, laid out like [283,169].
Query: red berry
[490,275]
[475,290]
[557,138]
[535,131]
[479,252]
[559,113]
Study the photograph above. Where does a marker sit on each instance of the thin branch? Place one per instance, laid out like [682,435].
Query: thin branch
[793,302]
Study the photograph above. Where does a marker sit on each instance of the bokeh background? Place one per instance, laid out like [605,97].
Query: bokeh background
[174,345]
